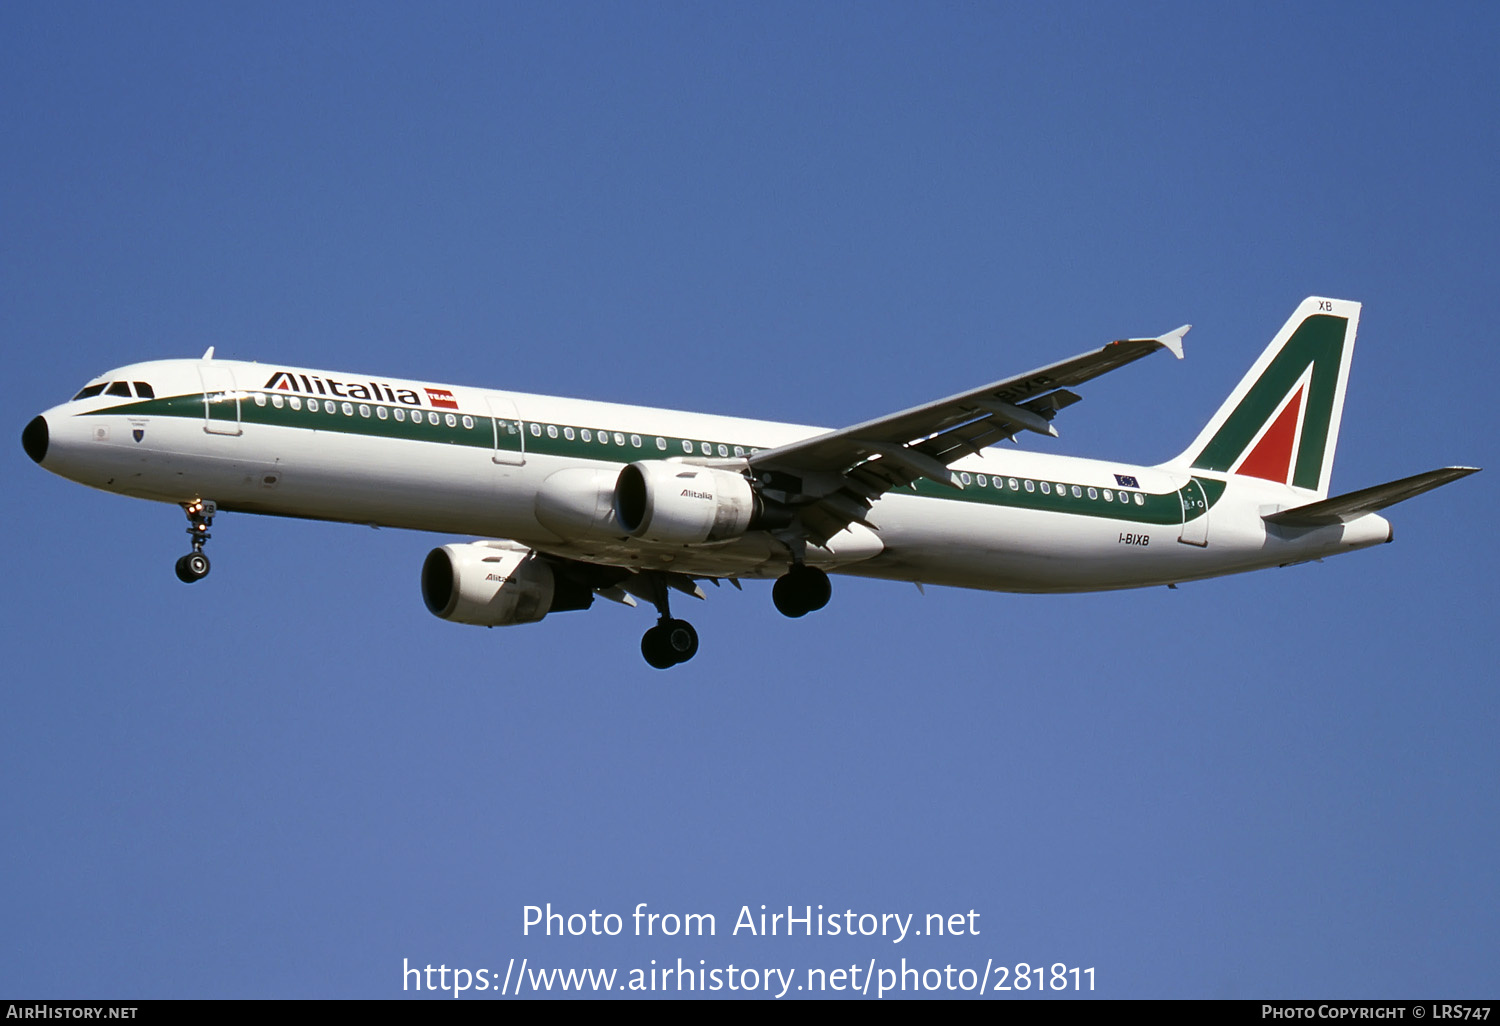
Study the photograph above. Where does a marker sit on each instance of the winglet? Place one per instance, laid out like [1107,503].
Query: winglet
[1172,340]
[208,354]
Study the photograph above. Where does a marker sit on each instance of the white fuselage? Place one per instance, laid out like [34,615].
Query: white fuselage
[471,461]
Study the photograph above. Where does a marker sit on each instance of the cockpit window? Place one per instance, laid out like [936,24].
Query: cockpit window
[144,391]
[119,388]
[89,391]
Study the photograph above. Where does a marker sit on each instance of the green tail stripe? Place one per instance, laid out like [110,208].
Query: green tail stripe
[1319,340]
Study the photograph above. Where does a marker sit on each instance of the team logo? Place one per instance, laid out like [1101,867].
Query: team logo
[441,398]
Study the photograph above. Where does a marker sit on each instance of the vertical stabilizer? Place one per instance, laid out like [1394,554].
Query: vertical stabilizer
[1281,422]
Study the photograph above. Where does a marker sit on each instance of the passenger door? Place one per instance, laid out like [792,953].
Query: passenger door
[510,441]
[221,401]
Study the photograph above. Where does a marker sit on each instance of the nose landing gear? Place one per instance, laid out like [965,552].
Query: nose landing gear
[195,566]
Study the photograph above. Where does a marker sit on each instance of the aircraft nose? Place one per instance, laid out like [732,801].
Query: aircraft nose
[34,438]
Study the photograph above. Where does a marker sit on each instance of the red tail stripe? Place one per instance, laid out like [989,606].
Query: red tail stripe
[1272,456]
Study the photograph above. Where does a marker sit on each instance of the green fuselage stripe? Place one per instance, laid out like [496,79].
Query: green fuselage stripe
[508,436]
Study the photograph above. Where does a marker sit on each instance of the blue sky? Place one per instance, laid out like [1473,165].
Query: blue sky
[289,778]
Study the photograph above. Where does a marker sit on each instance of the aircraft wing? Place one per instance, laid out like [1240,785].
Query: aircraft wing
[832,479]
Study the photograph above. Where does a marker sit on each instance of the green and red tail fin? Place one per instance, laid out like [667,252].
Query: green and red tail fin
[1281,423]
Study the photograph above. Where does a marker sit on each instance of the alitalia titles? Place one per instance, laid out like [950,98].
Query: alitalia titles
[370,391]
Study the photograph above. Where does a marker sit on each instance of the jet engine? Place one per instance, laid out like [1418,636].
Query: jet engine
[496,584]
[578,503]
[677,503]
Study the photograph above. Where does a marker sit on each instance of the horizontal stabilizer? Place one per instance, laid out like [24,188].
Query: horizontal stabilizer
[1343,508]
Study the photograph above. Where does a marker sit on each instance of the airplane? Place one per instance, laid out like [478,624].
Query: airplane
[574,500]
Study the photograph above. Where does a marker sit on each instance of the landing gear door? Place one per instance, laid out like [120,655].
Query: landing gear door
[510,442]
[1194,513]
[221,401]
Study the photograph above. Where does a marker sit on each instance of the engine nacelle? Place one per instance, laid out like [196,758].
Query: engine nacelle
[496,584]
[678,503]
[578,503]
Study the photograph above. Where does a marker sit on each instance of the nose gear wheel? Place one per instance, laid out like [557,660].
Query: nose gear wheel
[195,566]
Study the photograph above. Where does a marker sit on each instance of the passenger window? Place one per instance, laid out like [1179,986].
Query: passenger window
[1046,488]
[551,430]
[661,443]
[687,446]
[568,433]
[144,391]
[120,388]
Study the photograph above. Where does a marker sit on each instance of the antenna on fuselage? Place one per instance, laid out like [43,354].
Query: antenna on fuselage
[208,354]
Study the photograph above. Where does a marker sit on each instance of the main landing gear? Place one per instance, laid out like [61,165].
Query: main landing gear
[195,566]
[671,641]
[802,590]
